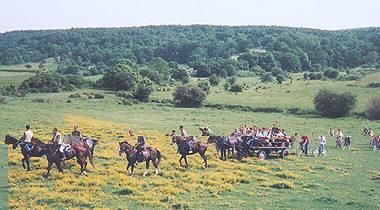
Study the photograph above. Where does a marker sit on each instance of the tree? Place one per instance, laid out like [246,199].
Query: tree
[188,96]
[331,73]
[143,90]
[290,62]
[123,75]
[373,108]
[280,79]
[181,75]
[160,65]
[204,85]
[214,80]
[267,77]
[332,104]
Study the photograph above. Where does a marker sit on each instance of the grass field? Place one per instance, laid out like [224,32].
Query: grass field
[342,180]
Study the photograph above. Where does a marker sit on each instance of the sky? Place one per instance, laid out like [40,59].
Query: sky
[63,14]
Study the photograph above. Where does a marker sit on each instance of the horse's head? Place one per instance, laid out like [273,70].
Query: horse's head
[11,140]
[174,140]
[125,147]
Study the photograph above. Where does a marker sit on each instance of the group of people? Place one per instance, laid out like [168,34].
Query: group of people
[305,141]
[254,131]
[368,132]
[56,139]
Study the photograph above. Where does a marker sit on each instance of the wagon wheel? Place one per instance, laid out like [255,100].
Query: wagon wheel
[284,153]
[262,155]
[316,152]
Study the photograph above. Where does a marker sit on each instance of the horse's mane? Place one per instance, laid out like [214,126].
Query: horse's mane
[125,142]
[37,141]
[10,139]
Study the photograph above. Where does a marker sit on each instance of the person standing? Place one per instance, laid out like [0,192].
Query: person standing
[331,132]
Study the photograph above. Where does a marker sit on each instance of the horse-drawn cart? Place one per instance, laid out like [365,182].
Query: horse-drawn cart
[262,148]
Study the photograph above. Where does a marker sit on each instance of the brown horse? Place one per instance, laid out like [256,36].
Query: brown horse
[35,149]
[79,149]
[184,149]
[149,154]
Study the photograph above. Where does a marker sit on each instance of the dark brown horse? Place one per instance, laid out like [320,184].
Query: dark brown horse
[184,149]
[79,149]
[35,149]
[149,154]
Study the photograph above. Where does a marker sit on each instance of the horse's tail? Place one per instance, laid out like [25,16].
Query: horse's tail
[159,156]
[89,154]
[95,142]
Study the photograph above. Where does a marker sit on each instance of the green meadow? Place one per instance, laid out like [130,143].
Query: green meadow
[345,179]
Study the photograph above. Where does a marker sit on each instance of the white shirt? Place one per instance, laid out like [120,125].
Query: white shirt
[281,134]
[57,138]
[322,139]
[28,136]
[183,133]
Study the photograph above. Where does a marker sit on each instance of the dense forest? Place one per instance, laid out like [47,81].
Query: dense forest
[220,50]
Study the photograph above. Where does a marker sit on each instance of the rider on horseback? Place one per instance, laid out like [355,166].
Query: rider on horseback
[140,147]
[56,136]
[27,138]
[76,132]
[63,146]
[190,140]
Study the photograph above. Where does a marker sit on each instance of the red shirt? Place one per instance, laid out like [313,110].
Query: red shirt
[305,139]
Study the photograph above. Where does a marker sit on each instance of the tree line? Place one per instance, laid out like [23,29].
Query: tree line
[219,50]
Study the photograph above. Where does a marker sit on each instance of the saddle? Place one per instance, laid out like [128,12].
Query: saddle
[69,152]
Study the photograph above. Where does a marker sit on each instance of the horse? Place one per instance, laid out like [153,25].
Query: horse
[223,144]
[79,149]
[184,149]
[149,154]
[35,149]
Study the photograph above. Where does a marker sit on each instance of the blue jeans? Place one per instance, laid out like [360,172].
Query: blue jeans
[27,146]
[321,148]
[306,148]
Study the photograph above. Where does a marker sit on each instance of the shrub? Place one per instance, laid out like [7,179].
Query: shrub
[98,96]
[3,100]
[226,86]
[331,104]
[40,100]
[236,88]
[204,85]
[267,77]
[374,85]
[280,79]
[231,80]
[315,76]
[188,96]
[28,66]
[373,108]
[143,92]
[75,95]
[214,80]
[127,102]
[331,73]
[181,75]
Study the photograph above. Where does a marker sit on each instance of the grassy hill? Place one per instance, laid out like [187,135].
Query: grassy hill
[343,179]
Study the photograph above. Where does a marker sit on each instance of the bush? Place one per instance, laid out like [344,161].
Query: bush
[373,108]
[40,100]
[76,95]
[98,96]
[280,79]
[231,80]
[315,76]
[28,66]
[236,88]
[128,102]
[3,100]
[214,80]
[267,77]
[226,86]
[331,73]
[181,75]
[331,104]
[143,92]
[204,85]
[188,96]
[374,85]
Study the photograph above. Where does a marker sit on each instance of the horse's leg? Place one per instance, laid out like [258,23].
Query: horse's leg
[155,165]
[204,158]
[186,161]
[50,163]
[27,163]
[59,166]
[80,162]
[180,161]
[132,170]
[23,162]
[147,167]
